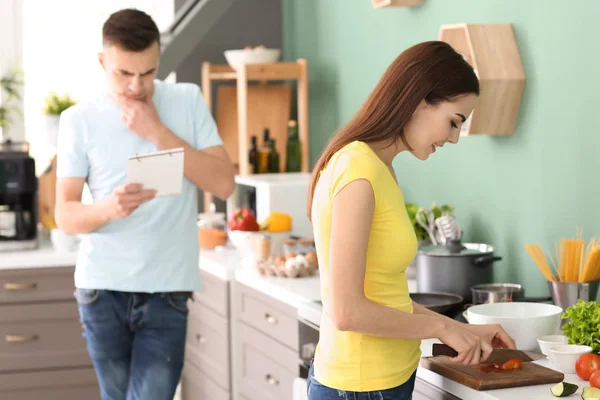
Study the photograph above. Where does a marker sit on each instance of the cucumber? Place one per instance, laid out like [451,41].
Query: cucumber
[564,389]
[590,393]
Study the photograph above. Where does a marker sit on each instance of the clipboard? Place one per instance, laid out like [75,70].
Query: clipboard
[161,171]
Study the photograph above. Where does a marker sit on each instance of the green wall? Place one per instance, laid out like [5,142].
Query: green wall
[538,185]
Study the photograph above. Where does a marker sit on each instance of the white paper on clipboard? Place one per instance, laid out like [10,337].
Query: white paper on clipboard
[161,171]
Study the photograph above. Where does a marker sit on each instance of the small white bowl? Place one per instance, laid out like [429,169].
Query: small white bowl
[564,356]
[237,58]
[547,341]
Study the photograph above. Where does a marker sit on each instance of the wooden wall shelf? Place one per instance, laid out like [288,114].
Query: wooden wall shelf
[492,50]
[257,107]
[396,3]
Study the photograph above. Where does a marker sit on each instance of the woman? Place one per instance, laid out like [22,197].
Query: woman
[370,330]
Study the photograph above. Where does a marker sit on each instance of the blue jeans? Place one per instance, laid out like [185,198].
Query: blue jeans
[136,341]
[317,391]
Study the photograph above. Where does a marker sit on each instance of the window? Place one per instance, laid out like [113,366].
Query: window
[61,40]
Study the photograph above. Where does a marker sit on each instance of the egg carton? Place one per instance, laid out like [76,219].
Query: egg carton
[294,266]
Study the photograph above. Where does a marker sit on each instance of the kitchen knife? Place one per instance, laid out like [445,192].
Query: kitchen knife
[498,356]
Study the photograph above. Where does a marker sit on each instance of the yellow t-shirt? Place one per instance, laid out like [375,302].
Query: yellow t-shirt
[349,360]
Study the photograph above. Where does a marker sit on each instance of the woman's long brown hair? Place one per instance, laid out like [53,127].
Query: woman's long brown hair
[431,71]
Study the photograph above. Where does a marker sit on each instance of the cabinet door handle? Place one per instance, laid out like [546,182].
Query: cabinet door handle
[271,319]
[200,338]
[271,381]
[20,338]
[14,287]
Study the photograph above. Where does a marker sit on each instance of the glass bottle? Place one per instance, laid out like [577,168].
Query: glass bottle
[273,158]
[253,156]
[293,156]
[263,154]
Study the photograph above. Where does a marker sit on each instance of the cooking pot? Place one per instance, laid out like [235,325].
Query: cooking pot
[447,304]
[454,267]
[502,293]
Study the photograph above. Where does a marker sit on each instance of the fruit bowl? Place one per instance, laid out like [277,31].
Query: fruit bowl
[245,242]
[249,242]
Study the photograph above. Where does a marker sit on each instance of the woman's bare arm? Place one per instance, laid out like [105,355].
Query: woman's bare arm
[353,209]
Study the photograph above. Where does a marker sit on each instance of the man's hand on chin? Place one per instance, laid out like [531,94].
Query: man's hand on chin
[141,117]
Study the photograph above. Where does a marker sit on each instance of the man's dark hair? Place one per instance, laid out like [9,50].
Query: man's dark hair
[130,29]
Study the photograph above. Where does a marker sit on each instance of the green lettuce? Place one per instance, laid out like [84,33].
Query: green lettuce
[583,325]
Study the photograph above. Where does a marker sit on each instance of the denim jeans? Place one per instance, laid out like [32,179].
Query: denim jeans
[135,340]
[317,391]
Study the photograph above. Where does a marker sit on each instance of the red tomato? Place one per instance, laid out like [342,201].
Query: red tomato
[586,364]
[513,363]
[595,379]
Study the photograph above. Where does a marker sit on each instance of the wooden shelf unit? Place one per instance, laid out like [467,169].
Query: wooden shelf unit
[492,50]
[263,73]
[396,3]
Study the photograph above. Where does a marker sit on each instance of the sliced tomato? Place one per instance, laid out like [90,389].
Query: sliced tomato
[513,363]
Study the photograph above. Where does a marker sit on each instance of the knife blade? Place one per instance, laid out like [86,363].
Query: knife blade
[498,356]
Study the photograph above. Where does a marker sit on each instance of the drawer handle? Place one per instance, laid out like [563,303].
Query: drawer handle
[14,287]
[200,338]
[271,381]
[271,319]
[20,338]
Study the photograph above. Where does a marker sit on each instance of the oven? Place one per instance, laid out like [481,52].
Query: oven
[309,318]
[308,336]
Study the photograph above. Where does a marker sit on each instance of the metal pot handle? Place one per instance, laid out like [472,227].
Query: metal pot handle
[486,260]
[534,299]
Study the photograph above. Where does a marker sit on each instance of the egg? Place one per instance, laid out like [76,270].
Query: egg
[301,261]
[312,258]
[291,263]
[279,260]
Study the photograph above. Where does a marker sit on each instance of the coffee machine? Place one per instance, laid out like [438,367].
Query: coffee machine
[18,198]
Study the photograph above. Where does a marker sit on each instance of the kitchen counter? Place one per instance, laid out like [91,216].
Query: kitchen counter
[43,257]
[292,291]
[222,262]
[304,294]
[541,392]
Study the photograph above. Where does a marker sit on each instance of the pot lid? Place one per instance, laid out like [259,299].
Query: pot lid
[457,249]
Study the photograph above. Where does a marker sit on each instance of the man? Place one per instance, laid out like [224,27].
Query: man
[138,262]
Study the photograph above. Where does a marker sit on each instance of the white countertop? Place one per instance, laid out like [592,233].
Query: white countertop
[221,262]
[43,257]
[292,291]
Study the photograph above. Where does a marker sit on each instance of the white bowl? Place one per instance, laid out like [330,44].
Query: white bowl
[565,356]
[547,341]
[524,322]
[247,242]
[237,58]
[244,241]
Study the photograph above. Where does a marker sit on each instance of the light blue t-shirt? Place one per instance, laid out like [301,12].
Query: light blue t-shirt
[155,249]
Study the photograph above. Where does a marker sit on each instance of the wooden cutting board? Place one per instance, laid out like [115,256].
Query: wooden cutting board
[471,376]
[269,106]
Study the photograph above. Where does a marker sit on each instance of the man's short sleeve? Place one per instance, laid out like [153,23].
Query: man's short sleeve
[205,128]
[72,161]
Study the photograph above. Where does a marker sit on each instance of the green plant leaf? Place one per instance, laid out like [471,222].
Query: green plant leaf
[56,104]
[583,324]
